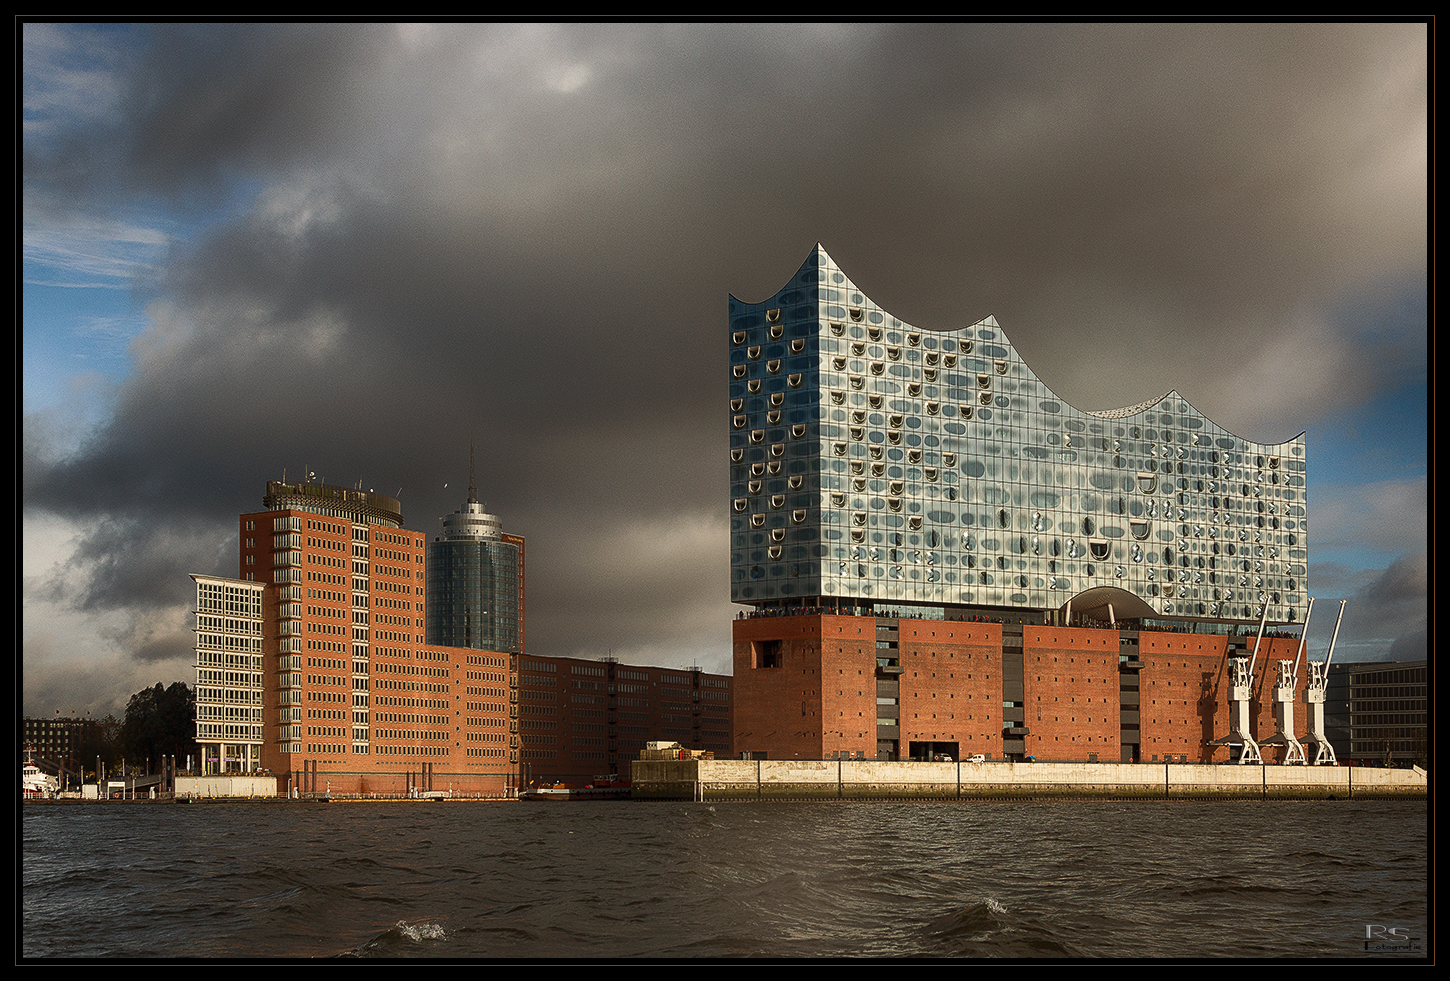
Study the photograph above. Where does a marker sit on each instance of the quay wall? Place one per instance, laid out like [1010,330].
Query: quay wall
[866,779]
[228,785]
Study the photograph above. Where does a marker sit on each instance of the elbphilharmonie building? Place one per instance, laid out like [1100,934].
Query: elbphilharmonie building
[897,470]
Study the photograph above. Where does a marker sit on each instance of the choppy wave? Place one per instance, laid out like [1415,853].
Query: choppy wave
[402,940]
[986,929]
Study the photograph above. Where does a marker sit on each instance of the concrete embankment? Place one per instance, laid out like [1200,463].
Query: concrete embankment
[867,779]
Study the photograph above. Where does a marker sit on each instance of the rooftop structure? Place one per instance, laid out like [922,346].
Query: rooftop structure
[360,506]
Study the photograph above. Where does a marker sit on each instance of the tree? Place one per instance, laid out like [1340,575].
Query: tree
[159,722]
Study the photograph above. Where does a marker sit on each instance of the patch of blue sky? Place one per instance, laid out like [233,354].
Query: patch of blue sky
[1385,439]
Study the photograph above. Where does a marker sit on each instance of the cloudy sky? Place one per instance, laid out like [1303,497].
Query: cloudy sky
[351,249]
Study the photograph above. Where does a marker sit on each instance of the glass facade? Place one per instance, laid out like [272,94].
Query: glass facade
[473,595]
[875,463]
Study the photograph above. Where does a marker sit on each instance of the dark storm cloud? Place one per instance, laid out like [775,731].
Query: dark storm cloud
[1385,614]
[524,236]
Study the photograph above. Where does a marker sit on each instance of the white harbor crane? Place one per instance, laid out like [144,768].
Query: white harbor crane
[1315,692]
[1241,681]
[1288,681]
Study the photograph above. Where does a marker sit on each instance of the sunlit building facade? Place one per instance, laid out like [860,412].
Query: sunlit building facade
[885,471]
[353,697]
[230,674]
[323,662]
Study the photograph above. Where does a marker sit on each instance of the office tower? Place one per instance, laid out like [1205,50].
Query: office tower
[891,473]
[230,673]
[354,699]
[315,663]
[475,591]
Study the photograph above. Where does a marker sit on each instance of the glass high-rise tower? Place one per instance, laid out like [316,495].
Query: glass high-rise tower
[475,594]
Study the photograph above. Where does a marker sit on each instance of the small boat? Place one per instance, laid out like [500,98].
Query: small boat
[603,788]
[35,783]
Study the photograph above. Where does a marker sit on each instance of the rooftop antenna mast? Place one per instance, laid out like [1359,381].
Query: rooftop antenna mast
[472,484]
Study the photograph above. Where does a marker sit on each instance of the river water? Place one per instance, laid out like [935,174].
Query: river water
[496,881]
